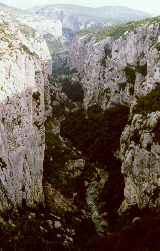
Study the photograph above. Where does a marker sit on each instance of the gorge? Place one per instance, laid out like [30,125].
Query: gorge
[80,149]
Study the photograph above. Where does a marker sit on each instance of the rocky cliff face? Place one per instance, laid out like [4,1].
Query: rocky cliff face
[118,71]
[25,64]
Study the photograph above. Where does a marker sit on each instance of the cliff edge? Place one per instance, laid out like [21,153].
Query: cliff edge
[25,64]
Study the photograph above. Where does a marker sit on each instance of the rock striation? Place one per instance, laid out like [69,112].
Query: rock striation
[25,64]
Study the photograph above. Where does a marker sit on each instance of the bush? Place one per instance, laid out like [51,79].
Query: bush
[130,74]
[142,69]
[97,137]
[73,91]
[118,30]
[149,103]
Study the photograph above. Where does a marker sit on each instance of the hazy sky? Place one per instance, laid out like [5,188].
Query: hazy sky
[152,6]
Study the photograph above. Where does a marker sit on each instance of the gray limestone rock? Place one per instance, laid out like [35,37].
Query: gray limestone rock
[24,67]
[120,71]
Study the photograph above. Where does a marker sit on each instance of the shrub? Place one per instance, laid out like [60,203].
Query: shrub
[36,95]
[157,46]
[149,103]
[26,49]
[118,30]
[98,137]
[130,74]
[73,91]
[2,163]
[142,69]
[27,30]
[36,98]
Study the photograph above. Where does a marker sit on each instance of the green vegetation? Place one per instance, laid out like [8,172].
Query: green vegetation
[117,30]
[142,69]
[149,103]
[63,70]
[115,14]
[57,154]
[26,30]
[36,98]
[91,31]
[108,54]
[17,121]
[122,86]
[130,74]
[2,164]
[55,46]
[38,125]
[3,28]
[28,229]
[52,140]
[36,95]
[97,137]
[6,36]
[157,46]
[73,91]
[26,49]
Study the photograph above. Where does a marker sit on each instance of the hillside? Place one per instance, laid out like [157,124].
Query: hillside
[103,15]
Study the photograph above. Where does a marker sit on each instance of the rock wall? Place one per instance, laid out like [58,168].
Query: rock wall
[25,64]
[120,71]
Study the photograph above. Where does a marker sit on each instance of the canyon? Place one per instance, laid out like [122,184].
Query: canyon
[79,149]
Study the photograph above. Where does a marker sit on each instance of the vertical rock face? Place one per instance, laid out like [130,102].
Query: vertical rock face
[24,67]
[120,70]
[79,51]
[140,154]
[113,70]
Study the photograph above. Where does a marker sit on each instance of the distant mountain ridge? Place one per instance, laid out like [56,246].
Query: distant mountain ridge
[105,15]
[76,18]
[60,22]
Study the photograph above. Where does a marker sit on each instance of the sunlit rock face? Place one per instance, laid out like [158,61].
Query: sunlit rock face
[140,154]
[119,71]
[115,71]
[25,64]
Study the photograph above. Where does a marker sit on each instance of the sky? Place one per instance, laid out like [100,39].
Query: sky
[151,6]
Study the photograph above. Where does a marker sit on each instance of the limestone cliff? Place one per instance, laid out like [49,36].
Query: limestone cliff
[123,68]
[25,64]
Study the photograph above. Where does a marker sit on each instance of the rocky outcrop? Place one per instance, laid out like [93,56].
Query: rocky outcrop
[118,71]
[140,150]
[25,64]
